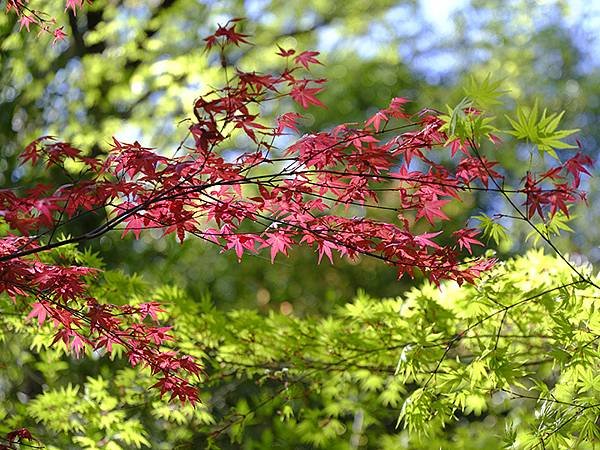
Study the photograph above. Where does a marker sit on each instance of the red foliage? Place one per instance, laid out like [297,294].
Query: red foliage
[45,24]
[16,439]
[267,197]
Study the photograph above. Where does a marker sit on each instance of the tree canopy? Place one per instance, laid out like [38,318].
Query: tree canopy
[161,161]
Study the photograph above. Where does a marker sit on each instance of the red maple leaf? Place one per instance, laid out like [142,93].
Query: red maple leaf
[18,435]
[466,238]
[306,58]
[432,210]
[376,119]
[305,96]
[577,165]
[288,120]
[279,243]
[40,310]
[285,53]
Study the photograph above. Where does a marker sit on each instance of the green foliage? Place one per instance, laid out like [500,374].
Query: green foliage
[465,124]
[513,359]
[492,229]
[485,93]
[551,228]
[540,130]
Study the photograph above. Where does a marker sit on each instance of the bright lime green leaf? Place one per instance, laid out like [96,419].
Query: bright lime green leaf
[486,92]
[540,130]
[491,229]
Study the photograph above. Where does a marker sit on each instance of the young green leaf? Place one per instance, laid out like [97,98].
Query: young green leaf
[492,229]
[541,131]
[485,93]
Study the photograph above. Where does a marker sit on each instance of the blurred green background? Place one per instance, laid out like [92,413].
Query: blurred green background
[132,69]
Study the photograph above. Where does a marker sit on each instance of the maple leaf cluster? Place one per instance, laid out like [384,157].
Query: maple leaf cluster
[560,192]
[61,297]
[16,439]
[279,192]
[46,24]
